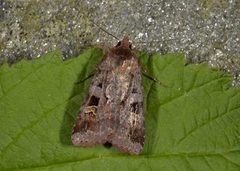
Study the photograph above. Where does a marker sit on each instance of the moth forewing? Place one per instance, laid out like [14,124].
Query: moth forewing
[113,109]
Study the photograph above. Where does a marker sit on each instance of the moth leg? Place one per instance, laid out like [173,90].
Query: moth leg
[81,81]
[153,79]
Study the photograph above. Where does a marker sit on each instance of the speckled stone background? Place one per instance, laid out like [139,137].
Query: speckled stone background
[206,30]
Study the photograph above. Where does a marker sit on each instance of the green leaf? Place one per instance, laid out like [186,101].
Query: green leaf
[192,118]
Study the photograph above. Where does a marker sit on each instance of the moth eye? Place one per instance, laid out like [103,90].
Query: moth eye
[130,46]
[119,44]
[93,101]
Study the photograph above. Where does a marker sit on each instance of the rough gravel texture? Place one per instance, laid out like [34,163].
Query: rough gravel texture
[206,30]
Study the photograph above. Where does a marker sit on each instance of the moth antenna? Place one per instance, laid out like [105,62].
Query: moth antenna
[154,79]
[104,30]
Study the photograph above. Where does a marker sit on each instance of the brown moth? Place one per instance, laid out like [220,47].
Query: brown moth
[113,109]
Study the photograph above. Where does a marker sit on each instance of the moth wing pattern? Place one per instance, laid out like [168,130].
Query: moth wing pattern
[87,131]
[129,129]
[113,109]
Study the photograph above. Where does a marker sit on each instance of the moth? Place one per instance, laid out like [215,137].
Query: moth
[113,110]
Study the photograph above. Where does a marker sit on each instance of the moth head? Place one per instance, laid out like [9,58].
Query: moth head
[123,50]
[125,44]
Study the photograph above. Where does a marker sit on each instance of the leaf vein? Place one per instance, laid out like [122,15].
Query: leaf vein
[201,126]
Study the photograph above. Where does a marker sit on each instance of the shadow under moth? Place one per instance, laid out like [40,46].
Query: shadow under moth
[113,110]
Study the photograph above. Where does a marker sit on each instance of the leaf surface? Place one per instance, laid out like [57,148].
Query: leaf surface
[192,118]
